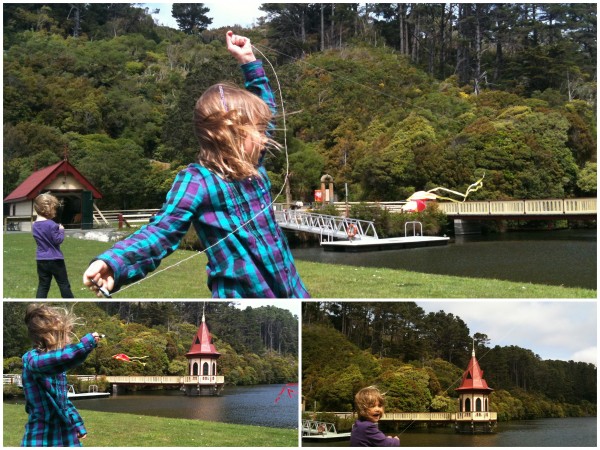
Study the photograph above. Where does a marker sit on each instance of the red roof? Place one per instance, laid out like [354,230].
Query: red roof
[37,181]
[202,344]
[472,379]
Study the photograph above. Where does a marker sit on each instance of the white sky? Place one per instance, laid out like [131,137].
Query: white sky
[563,329]
[291,304]
[224,13]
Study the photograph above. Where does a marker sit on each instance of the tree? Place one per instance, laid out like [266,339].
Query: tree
[191,17]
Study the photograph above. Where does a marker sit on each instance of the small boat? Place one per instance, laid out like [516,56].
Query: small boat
[314,430]
[93,393]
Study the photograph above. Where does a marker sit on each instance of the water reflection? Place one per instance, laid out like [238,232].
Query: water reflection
[567,432]
[240,405]
[567,258]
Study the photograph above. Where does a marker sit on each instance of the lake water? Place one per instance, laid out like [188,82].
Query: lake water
[244,405]
[569,432]
[565,257]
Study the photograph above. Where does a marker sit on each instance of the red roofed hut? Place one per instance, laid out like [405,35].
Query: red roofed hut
[66,183]
[202,364]
[474,414]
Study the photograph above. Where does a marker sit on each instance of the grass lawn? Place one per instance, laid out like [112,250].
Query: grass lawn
[132,430]
[188,280]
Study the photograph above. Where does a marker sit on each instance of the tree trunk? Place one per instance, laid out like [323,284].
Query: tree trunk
[322,27]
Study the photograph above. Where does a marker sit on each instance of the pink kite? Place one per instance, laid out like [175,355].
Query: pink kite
[290,391]
[129,359]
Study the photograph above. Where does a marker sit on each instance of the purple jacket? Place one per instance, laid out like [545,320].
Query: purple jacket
[367,434]
[48,237]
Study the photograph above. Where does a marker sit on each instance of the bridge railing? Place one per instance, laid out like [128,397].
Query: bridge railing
[418,416]
[326,225]
[549,207]
[476,415]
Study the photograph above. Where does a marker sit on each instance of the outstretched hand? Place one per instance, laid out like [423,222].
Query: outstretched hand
[240,47]
[98,275]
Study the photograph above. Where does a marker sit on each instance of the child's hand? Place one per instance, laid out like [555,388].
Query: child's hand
[60,226]
[102,276]
[240,47]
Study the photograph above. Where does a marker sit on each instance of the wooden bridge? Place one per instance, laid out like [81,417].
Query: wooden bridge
[548,209]
[192,385]
[463,422]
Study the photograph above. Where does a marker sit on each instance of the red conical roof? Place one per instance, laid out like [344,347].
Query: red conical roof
[202,344]
[472,379]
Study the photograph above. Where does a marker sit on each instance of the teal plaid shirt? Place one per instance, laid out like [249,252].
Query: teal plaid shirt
[53,420]
[253,260]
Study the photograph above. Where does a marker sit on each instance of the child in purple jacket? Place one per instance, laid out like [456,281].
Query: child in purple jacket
[370,403]
[49,235]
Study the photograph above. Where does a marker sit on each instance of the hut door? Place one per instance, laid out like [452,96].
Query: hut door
[87,210]
[205,369]
[478,405]
[195,369]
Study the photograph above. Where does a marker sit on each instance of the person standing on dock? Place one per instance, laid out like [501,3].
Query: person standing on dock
[53,420]
[370,404]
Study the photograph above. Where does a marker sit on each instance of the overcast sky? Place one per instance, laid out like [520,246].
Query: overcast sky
[224,13]
[565,329]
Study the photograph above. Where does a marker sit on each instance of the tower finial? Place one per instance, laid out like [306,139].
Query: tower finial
[203,306]
[473,353]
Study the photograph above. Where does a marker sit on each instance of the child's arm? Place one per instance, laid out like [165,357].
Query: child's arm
[255,79]
[58,234]
[134,257]
[240,47]
[76,420]
[58,361]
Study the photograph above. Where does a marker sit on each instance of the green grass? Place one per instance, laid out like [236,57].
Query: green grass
[132,430]
[188,279]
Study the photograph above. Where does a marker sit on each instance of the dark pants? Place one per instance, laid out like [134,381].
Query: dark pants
[53,268]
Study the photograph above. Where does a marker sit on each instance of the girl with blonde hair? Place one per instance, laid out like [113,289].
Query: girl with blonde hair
[225,195]
[53,420]
[370,405]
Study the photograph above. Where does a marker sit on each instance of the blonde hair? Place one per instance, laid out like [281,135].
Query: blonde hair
[46,205]
[224,116]
[367,398]
[49,327]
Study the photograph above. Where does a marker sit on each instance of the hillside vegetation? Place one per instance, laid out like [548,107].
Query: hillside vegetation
[257,345]
[418,359]
[371,107]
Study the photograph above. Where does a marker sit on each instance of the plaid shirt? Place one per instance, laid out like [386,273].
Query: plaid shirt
[252,260]
[53,420]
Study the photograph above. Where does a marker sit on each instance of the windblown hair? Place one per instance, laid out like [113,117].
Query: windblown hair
[366,398]
[49,327]
[223,117]
[46,205]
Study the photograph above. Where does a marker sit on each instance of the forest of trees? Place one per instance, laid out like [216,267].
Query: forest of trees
[257,345]
[389,98]
[418,359]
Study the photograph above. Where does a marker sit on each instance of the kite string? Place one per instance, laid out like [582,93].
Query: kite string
[287,171]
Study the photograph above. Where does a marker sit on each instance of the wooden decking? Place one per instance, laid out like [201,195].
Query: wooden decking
[167,381]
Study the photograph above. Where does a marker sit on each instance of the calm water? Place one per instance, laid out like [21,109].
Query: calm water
[246,405]
[570,432]
[566,257]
